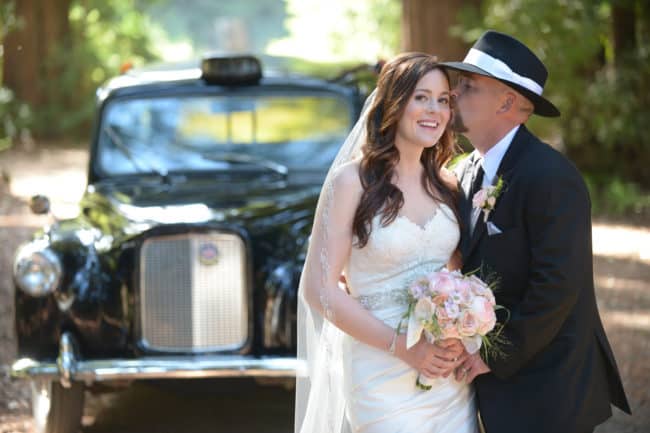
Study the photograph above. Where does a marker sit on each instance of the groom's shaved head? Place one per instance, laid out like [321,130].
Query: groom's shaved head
[486,108]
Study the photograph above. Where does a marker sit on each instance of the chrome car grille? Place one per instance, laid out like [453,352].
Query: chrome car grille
[193,295]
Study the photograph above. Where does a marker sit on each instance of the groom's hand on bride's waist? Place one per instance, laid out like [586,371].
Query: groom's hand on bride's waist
[432,360]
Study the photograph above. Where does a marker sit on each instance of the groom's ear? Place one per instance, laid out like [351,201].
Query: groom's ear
[507,102]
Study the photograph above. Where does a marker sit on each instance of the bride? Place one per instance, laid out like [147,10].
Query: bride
[387,213]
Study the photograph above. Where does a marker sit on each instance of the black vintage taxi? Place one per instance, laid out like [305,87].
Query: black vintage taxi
[185,258]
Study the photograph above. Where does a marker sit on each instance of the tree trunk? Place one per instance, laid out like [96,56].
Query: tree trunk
[426,27]
[21,67]
[29,65]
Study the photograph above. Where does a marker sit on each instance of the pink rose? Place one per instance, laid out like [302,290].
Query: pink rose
[483,311]
[479,288]
[443,317]
[439,300]
[486,327]
[479,198]
[467,325]
[477,284]
[442,283]
[464,291]
[491,201]
[452,309]
[449,330]
[456,273]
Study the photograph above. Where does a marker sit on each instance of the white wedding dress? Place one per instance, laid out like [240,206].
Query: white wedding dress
[379,389]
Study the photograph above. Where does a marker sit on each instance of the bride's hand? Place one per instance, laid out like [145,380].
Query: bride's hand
[429,359]
[455,352]
[453,346]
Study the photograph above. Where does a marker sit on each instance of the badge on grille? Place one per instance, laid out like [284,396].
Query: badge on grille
[208,254]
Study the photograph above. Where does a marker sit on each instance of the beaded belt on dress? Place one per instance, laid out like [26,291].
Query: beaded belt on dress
[379,300]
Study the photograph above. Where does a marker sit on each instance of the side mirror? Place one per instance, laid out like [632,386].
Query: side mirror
[39,204]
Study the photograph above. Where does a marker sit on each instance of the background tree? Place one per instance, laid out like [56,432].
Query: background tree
[427,27]
[64,50]
[24,49]
[15,115]
[597,52]
[598,56]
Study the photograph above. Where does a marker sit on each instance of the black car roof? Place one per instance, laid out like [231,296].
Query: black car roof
[276,71]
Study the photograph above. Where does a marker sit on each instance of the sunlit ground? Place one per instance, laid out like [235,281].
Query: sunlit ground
[59,174]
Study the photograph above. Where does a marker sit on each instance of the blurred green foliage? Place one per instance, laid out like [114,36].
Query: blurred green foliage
[15,117]
[199,25]
[604,95]
[615,198]
[387,14]
[340,30]
[104,35]
[381,20]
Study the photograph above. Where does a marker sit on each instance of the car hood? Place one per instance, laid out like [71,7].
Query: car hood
[133,208]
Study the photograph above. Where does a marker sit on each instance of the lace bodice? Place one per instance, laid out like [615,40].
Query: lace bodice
[379,273]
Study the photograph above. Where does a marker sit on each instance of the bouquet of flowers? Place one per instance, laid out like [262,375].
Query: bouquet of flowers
[447,304]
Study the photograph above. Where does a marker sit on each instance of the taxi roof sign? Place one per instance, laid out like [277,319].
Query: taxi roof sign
[231,70]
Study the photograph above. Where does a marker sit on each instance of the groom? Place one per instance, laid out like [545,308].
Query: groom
[559,373]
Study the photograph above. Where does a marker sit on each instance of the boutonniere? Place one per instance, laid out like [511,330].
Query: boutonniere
[486,198]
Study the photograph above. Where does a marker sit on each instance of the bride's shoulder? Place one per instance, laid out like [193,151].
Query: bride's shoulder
[345,190]
[346,177]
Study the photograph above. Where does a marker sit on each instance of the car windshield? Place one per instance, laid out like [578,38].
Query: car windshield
[272,131]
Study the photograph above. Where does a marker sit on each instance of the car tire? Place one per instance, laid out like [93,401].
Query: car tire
[57,409]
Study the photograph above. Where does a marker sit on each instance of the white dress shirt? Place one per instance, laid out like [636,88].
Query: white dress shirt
[490,163]
[493,157]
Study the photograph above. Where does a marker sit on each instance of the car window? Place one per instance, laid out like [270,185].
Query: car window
[298,130]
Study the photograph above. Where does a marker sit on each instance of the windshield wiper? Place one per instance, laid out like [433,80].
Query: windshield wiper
[139,165]
[243,158]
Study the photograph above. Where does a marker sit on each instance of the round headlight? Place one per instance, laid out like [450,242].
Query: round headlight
[37,269]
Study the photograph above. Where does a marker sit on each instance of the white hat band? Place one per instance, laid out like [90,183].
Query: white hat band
[500,70]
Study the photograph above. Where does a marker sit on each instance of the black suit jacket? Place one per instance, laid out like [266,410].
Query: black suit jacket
[559,374]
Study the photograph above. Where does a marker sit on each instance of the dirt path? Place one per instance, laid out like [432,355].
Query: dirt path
[622,274]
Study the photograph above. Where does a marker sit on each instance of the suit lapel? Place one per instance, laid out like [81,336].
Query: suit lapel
[505,170]
[467,177]
[517,147]
[479,230]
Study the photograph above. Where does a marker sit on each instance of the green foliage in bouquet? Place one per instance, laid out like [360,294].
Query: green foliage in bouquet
[494,343]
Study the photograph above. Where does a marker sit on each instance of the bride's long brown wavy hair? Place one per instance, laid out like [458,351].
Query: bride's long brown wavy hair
[395,86]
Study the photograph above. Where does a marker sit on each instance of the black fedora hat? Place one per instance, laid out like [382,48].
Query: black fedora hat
[504,58]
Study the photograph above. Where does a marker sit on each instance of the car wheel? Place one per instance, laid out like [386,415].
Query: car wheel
[57,409]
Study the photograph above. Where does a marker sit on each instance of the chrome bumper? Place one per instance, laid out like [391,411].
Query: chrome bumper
[67,368]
